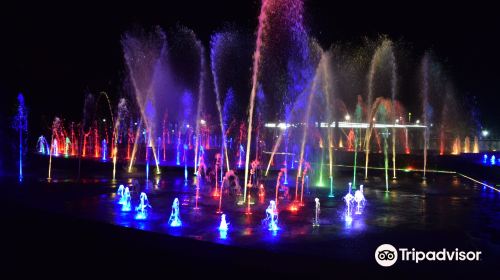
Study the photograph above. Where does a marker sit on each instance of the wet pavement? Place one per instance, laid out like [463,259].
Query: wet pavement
[445,212]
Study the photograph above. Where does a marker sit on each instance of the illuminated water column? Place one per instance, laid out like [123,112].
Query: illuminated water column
[185,163]
[241,155]
[174,220]
[142,208]
[223,227]
[178,153]
[286,158]
[104,149]
[21,125]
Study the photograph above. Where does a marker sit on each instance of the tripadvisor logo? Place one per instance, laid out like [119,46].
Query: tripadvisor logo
[387,255]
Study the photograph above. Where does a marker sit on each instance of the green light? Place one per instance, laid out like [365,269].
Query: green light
[386,196]
[331,187]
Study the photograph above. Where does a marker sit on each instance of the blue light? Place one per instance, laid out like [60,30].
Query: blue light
[223,234]
[223,227]
[42,145]
[142,208]
[55,148]
[125,200]
[185,163]
[174,220]
[241,155]
[21,125]
[104,149]
[271,219]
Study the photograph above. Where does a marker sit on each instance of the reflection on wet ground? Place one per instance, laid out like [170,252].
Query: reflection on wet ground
[445,203]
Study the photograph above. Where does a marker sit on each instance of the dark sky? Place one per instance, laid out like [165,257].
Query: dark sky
[54,52]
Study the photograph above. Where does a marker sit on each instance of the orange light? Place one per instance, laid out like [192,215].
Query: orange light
[215,193]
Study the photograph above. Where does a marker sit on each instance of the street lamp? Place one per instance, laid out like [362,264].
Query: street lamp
[347,117]
[485,133]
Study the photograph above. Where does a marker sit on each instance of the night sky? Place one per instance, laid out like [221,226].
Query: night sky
[54,53]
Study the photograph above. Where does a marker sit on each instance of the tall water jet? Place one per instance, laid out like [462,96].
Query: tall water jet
[283,17]
[197,190]
[85,125]
[21,125]
[327,89]
[358,115]
[218,43]
[185,163]
[189,37]
[382,111]
[145,58]
[56,125]
[385,135]
[148,156]
[186,56]
[121,113]
[383,53]
[310,96]
[425,105]
[263,21]
[178,150]
[229,112]
[394,82]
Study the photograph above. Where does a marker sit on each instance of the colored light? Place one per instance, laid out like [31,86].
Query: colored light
[174,220]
